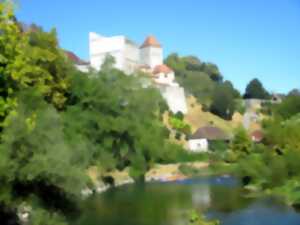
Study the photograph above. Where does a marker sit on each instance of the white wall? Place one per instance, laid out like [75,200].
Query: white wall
[198,145]
[175,98]
[151,56]
[167,79]
[83,68]
[131,57]
[101,46]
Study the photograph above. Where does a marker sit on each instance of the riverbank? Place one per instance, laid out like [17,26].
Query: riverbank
[161,173]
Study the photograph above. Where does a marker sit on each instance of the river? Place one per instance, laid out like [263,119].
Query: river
[168,204]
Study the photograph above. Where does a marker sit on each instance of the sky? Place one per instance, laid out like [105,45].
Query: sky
[246,39]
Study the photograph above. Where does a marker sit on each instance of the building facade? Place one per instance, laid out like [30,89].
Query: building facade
[128,55]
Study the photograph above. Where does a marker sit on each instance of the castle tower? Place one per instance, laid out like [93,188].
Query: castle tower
[151,52]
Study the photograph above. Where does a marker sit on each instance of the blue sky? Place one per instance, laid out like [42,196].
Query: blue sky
[246,39]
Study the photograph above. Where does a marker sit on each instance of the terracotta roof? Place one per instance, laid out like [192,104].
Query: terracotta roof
[257,135]
[162,69]
[151,41]
[210,133]
[75,59]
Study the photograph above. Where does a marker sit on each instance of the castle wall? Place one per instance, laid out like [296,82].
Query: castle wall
[131,57]
[175,98]
[101,46]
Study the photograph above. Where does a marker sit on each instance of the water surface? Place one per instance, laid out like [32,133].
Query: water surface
[168,204]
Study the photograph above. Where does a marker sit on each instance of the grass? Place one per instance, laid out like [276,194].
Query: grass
[196,117]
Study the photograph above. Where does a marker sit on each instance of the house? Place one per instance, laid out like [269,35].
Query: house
[200,140]
[257,136]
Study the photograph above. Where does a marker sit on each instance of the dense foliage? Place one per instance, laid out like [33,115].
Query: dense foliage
[255,89]
[272,166]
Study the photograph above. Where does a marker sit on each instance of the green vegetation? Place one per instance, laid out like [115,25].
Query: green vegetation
[205,82]
[179,125]
[196,219]
[255,89]
[271,166]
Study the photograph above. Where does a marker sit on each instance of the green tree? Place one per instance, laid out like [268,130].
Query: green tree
[289,107]
[35,160]
[29,58]
[119,120]
[108,64]
[241,143]
[294,92]
[255,89]
[223,103]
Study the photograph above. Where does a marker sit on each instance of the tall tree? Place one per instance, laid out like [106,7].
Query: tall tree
[255,89]
[223,103]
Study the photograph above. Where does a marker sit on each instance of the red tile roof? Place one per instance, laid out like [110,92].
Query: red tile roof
[257,135]
[75,59]
[162,69]
[151,41]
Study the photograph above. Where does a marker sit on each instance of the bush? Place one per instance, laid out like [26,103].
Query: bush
[179,125]
[218,146]
[178,135]
[179,115]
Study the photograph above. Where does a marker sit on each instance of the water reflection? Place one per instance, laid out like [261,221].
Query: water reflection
[167,203]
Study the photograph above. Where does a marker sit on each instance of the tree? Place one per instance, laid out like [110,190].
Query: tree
[231,88]
[223,103]
[241,143]
[213,71]
[199,85]
[119,120]
[255,89]
[108,64]
[294,92]
[36,163]
[30,58]
[289,107]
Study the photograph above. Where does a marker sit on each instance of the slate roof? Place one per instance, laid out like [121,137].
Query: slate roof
[210,133]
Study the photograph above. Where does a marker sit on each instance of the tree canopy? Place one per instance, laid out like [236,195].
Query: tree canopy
[255,89]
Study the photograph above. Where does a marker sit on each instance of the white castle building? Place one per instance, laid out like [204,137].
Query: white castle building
[130,57]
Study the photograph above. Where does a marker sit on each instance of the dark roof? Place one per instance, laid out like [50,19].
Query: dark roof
[75,59]
[210,133]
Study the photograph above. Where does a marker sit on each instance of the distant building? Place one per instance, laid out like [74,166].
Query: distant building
[200,140]
[128,55]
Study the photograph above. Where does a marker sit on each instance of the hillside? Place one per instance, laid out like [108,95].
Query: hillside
[196,117]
